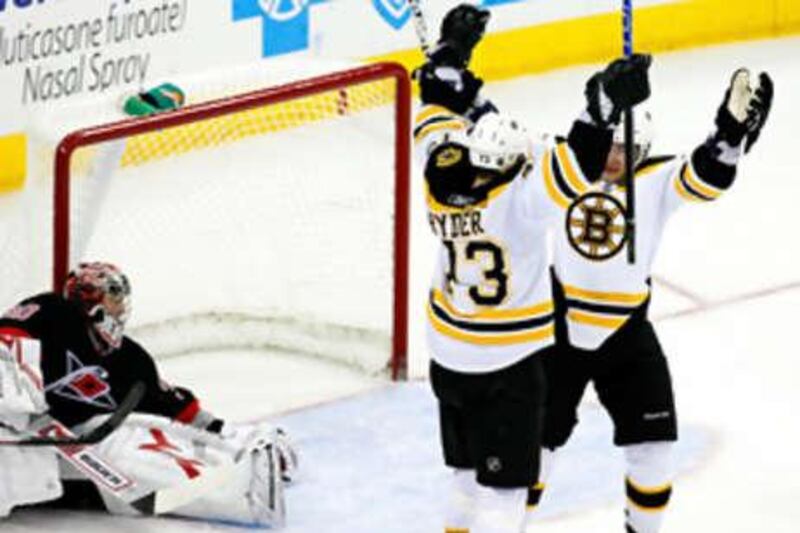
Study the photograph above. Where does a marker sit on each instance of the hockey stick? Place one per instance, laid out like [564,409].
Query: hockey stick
[420,27]
[53,434]
[630,197]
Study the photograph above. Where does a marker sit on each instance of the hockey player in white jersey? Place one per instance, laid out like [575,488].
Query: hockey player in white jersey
[604,335]
[65,364]
[490,310]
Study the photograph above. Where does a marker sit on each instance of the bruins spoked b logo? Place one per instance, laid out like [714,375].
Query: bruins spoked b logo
[596,226]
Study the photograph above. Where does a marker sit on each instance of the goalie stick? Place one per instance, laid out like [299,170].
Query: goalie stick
[46,437]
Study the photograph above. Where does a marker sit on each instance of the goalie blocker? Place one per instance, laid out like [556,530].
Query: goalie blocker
[66,357]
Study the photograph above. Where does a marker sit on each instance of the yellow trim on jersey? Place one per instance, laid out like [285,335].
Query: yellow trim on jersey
[573,176]
[435,117]
[490,326]
[453,125]
[623,298]
[550,183]
[646,171]
[596,319]
[688,194]
[682,191]
[456,530]
[491,339]
[703,188]
[490,314]
[429,111]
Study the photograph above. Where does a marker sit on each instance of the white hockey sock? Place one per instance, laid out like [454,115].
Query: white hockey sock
[462,501]
[648,485]
[499,510]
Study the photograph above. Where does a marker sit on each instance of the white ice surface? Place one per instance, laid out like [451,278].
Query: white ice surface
[726,301]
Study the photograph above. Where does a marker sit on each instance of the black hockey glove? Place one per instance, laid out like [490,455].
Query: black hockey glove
[461,30]
[449,87]
[624,83]
[743,111]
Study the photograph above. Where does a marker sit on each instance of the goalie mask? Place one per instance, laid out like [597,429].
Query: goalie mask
[103,292]
[643,134]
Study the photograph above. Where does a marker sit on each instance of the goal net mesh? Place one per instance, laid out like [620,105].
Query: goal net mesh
[269,225]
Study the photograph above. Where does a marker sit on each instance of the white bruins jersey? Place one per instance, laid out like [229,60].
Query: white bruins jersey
[600,288]
[491,302]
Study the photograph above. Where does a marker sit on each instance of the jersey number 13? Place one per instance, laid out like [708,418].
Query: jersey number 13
[492,289]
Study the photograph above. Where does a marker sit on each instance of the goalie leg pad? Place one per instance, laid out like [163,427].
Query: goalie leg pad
[27,475]
[222,481]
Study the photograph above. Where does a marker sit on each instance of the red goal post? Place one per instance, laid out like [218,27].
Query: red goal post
[339,82]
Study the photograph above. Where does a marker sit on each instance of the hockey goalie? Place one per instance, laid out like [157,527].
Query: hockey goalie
[67,370]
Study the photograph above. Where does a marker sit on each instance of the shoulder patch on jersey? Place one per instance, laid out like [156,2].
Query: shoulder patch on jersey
[22,311]
[651,162]
[449,156]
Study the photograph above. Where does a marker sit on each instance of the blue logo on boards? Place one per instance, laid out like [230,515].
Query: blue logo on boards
[488,3]
[284,23]
[395,12]
[22,4]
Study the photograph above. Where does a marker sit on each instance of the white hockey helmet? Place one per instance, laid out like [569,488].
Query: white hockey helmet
[643,134]
[497,142]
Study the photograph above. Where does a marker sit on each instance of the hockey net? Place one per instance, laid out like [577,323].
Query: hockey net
[267,219]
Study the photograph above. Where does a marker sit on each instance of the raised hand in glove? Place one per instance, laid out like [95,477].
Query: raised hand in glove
[447,86]
[461,30]
[624,83]
[744,109]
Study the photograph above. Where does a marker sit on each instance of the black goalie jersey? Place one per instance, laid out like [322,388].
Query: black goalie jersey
[79,383]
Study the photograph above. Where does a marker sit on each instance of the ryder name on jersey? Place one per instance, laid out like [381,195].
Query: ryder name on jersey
[490,303]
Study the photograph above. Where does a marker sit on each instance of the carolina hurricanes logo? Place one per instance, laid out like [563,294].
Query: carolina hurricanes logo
[596,226]
[164,446]
[84,383]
